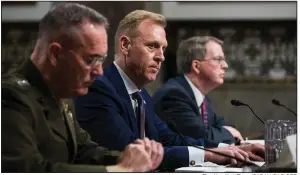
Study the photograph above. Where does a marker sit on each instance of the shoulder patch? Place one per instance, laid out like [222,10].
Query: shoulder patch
[18,82]
[22,83]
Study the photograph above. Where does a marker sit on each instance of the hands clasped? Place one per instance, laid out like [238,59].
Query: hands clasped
[142,156]
[253,152]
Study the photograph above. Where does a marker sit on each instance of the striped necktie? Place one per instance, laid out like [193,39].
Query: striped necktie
[204,113]
[140,113]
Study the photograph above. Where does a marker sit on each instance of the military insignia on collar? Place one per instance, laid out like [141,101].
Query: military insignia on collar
[65,107]
[70,116]
[67,111]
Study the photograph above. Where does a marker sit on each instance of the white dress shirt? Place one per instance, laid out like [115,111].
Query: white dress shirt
[195,155]
[197,94]
[130,86]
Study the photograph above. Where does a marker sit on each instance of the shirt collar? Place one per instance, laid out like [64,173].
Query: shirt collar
[198,95]
[130,86]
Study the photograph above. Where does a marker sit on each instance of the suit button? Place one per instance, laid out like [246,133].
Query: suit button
[192,162]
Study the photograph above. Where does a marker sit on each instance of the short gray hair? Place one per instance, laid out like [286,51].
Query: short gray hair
[64,16]
[193,48]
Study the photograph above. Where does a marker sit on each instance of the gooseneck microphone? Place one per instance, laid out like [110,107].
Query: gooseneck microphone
[277,103]
[172,126]
[238,103]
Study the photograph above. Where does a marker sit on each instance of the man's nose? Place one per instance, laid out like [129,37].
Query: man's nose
[160,55]
[224,65]
[97,70]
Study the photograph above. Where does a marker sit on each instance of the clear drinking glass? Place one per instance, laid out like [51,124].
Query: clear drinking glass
[275,134]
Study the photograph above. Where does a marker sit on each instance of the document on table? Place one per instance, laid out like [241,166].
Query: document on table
[212,167]
[262,142]
[259,164]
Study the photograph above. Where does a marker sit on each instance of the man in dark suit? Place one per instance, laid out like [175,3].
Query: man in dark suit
[183,99]
[118,103]
[39,132]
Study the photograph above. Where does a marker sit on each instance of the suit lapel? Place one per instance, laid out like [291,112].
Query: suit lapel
[150,129]
[45,99]
[54,117]
[52,110]
[182,81]
[115,78]
[69,118]
[148,124]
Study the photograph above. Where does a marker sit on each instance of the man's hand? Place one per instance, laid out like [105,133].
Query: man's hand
[235,133]
[135,158]
[255,151]
[154,149]
[222,160]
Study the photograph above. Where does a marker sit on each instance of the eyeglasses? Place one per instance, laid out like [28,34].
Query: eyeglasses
[92,60]
[217,60]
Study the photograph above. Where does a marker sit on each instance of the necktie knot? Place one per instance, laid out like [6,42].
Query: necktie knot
[203,105]
[137,96]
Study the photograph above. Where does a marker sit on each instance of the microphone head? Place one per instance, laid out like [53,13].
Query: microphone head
[276,102]
[236,103]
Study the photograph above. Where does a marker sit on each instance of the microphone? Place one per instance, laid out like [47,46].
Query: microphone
[172,126]
[238,103]
[277,103]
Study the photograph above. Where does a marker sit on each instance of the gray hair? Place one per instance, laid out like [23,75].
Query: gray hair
[63,17]
[193,48]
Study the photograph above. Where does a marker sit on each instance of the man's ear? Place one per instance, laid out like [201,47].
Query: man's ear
[125,44]
[54,50]
[195,66]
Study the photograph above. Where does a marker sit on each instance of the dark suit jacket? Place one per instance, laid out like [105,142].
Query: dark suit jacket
[175,101]
[107,114]
[38,136]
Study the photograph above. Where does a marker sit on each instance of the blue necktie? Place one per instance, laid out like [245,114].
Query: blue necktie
[140,113]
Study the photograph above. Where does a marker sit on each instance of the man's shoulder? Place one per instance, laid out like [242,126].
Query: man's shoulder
[102,83]
[172,86]
[174,83]
[16,93]
[171,81]
[16,88]
[15,83]
[101,91]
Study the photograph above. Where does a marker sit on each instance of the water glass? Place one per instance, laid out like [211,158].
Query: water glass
[275,134]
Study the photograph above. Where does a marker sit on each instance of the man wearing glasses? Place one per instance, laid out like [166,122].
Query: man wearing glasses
[39,131]
[182,100]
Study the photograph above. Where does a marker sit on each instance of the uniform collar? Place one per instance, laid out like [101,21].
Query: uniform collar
[35,78]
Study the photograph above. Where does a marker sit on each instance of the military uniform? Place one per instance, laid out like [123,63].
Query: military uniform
[40,134]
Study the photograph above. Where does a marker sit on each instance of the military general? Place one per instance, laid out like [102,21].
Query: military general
[39,131]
